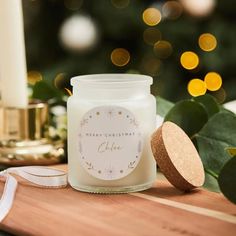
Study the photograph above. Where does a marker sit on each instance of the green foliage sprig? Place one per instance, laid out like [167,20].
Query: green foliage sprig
[213,131]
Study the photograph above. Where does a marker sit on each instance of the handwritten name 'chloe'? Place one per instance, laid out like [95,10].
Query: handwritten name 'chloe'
[108,147]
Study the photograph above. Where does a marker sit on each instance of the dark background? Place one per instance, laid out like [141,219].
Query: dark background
[121,26]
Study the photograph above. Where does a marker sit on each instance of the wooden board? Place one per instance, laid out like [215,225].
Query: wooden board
[66,211]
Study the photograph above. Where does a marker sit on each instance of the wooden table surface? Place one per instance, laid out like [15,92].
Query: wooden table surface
[161,210]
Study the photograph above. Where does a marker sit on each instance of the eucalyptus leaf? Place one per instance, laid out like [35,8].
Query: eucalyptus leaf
[209,103]
[44,91]
[218,134]
[222,109]
[211,183]
[189,115]
[227,180]
[163,106]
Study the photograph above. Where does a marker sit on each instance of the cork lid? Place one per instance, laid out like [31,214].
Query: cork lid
[177,157]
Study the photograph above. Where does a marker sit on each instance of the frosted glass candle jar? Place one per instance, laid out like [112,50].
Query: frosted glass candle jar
[110,120]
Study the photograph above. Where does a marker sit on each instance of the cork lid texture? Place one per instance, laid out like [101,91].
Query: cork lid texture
[177,157]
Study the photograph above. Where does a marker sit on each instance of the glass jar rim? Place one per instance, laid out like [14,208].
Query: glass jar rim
[104,80]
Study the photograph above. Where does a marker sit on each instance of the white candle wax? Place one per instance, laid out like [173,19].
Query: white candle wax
[13,75]
[110,122]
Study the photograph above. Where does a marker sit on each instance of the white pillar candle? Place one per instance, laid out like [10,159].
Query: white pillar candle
[13,73]
[110,121]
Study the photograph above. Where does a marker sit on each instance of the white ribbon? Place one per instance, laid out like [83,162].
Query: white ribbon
[40,176]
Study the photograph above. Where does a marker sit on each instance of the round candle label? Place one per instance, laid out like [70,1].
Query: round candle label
[110,142]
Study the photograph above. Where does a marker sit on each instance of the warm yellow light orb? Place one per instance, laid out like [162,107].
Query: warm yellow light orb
[151,35]
[163,49]
[34,77]
[207,42]
[151,16]
[213,81]
[189,60]
[197,87]
[60,81]
[172,10]
[220,95]
[120,57]
[151,65]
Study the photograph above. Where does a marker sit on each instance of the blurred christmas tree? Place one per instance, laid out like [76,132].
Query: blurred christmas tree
[65,38]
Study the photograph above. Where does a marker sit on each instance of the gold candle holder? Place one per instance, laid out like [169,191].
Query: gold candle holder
[24,136]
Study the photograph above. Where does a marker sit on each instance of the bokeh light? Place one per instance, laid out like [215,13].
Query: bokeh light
[33,77]
[172,10]
[198,8]
[120,57]
[213,81]
[151,65]
[197,87]
[189,60]
[60,81]
[73,4]
[163,49]
[151,36]
[120,3]
[79,33]
[207,42]
[151,16]
[220,95]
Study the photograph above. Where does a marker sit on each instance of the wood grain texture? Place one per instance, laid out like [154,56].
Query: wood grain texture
[66,211]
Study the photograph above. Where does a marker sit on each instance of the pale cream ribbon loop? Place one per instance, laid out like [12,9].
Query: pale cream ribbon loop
[38,175]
